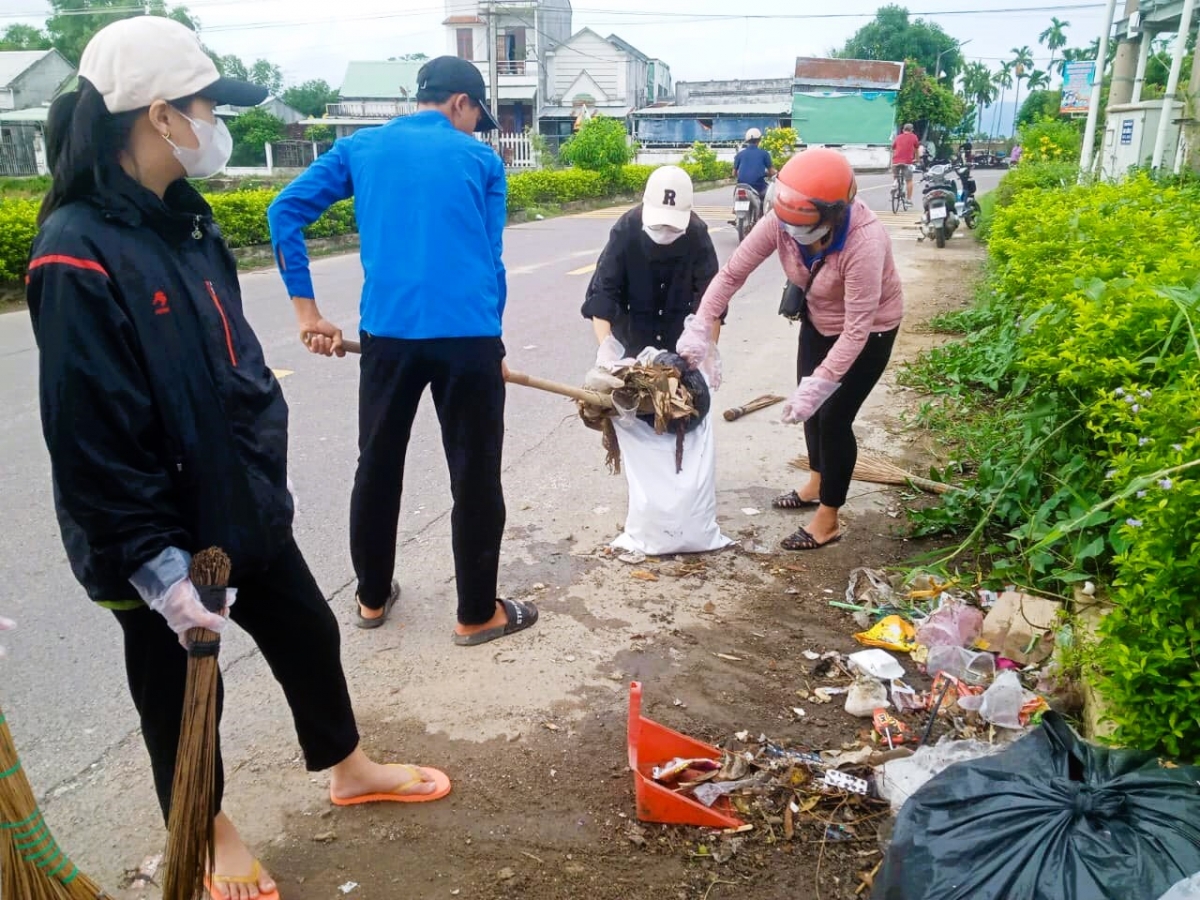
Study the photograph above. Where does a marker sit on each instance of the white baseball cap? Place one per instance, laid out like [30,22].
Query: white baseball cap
[754,135]
[134,62]
[668,198]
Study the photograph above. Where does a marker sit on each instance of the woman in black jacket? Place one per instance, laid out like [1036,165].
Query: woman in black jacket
[166,429]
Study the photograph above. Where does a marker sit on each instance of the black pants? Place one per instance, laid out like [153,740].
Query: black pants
[289,618]
[468,392]
[829,434]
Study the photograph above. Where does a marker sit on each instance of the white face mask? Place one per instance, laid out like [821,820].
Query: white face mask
[806,234]
[215,147]
[663,235]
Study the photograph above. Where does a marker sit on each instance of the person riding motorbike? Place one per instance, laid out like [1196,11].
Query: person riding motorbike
[847,293]
[753,165]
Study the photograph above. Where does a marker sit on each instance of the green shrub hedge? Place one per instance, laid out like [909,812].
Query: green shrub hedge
[1076,387]
[242,214]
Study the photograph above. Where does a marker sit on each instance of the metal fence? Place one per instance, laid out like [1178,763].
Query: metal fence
[17,156]
[296,154]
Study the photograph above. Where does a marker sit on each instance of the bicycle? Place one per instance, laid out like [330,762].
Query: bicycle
[900,192]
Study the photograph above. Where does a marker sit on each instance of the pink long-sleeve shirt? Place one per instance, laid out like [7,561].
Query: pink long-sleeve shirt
[856,293]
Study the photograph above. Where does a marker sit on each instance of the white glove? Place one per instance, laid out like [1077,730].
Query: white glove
[610,353]
[809,397]
[6,625]
[696,346]
[183,610]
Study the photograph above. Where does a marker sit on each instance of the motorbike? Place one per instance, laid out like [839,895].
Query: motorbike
[967,207]
[939,197]
[748,208]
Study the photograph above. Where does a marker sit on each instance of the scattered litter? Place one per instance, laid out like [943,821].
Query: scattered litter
[839,780]
[899,779]
[751,511]
[889,633]
[953,624]
[826,694]
[1006,704]
[798,712]
[976,668]
[680,704]
[550,726]
[643,575]
[710,792]
[905,699]
[726,656]
[876,663]
[1020,627]
[685,771]
[812,655]
[891,729]
[506,874]
[865,696]
[839,758]
[756,549]
[348,887]
[632,558]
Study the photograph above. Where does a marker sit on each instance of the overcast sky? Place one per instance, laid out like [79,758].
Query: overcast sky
[316,38]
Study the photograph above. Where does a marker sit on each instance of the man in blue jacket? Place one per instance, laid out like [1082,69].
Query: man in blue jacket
[430,203]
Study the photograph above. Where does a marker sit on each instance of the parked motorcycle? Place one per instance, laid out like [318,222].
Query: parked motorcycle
[939,196]
[748,208]
[967,206]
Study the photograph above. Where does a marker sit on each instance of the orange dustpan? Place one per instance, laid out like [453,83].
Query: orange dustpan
[650,745]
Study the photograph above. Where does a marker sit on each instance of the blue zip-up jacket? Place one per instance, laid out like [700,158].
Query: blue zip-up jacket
[431,208]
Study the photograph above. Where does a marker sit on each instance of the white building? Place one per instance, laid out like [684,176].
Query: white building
[591,74]
[526,32]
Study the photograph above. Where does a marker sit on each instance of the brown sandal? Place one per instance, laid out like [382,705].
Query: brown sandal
[793,500]
[802,540]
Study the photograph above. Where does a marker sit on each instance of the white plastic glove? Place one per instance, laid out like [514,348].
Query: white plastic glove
[610,353]
[809,397]
[697,347]
[6,625]
[182,609]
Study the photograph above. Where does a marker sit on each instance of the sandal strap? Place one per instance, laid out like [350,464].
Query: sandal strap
[415,777]
[252,878]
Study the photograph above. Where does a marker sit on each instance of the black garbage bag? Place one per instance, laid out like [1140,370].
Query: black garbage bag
[1050,818]
[693,381]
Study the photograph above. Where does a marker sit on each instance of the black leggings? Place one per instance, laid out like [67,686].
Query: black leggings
[832,448]
[285,612]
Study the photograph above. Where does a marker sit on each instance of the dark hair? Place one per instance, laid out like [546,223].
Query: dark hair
[437,98]
[83,146]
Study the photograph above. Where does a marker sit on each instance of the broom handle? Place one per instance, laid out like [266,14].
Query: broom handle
[732,415]
[591,398]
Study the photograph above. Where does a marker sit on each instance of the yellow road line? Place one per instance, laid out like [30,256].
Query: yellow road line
[584,270]
[281,374]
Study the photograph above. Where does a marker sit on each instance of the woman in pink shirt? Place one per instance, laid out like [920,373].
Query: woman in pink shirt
[846,291]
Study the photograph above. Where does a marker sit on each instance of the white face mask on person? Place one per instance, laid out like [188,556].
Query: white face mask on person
[663,235]
[806,234]
[212,153]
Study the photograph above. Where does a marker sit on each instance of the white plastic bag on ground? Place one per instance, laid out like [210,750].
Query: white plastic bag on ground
[899,779]
[669,512]
[1188,889]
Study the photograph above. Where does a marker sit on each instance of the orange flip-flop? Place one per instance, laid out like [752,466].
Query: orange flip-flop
[441,782]
[252,878]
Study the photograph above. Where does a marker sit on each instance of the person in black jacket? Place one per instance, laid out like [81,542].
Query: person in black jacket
[167,432]
[655,268]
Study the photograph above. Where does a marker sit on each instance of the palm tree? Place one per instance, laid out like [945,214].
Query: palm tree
[1054,38]
[1038,80]
[1022,61]
[978,87]
[1003,80]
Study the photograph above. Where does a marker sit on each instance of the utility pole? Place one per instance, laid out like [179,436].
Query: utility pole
[493,62]
[1089,134]
[1124,66]
[1168,107]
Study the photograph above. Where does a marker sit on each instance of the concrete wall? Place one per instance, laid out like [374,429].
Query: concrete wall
[748,90]
[863,159]
[38,84]
[588,52]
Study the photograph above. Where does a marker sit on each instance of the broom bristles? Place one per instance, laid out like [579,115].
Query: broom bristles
[32,865]
[188,858]
[882,471]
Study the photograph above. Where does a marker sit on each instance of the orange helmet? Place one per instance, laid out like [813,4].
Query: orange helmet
[813,186]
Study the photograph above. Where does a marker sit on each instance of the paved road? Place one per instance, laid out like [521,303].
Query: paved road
[63,683]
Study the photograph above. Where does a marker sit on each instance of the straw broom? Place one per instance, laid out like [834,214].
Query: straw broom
[32,865]
[188,859]
[880,471]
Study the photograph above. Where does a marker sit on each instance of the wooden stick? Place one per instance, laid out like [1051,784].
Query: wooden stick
[732,415]
[591,398]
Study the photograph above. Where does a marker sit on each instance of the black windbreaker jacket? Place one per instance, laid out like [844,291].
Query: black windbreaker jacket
[164,425]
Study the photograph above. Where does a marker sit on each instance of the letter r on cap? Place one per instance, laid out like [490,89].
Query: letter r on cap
[668,197]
